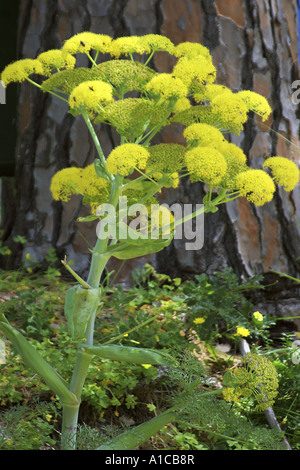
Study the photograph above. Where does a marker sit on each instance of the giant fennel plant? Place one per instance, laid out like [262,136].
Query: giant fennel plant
[121,90]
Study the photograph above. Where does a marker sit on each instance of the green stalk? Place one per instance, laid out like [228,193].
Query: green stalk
[134,437]
[70,413]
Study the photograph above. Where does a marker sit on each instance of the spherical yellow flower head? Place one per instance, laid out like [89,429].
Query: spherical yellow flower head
[231,111]
[256,103]
[191,50]
[20,70]
[205,164]
[231,150]
[55,59]
[166,87]
[64,183]
[91,95]
[83,181]
[256,185]
[91,184]
[87,41]
[156,42]
[236,163]
[182,104]
[194,72]
[128,45]
[125,158]
[284,171]
[210,91]
[203,135]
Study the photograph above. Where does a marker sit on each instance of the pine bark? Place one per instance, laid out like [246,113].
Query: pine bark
[254,45]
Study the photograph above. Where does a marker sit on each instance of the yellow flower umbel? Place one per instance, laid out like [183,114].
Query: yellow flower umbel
[91,95]
[196,71]
[231,111]
[284,171]
[256,185]
[166,87]
[203,134]
[55,59]
[85,42]
[21,70]
[65,183]
[156,42]
[205,164]
[83,181]
[191,50]
[256,103]
[128,45]
[236,163]
[125,158]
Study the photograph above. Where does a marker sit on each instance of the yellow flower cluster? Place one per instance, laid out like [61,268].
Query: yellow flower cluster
[231,111]
[191,50]
[166,86]
[84,181]
[230,394]
[91,95]
[195,71]
[85,42]
[241,331]
[125,158]
[256,103]
[55,59]
[206,164]
[20,70]
[284,171]
[256,185]
[203,134]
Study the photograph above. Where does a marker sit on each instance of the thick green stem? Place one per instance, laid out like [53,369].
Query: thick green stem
[134,437]
[70,413]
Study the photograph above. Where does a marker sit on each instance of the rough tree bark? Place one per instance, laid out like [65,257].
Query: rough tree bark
[254,45]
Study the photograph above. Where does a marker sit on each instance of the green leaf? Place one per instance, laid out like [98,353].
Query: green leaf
[136,436]
[129,354]
[136,248]
[38,364]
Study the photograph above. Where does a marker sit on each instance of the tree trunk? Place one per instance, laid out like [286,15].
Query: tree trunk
[254,45]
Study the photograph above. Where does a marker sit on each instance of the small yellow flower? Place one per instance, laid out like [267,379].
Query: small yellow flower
[241,331]
[48,417]
[231,111]
[284,171]
[199,321]
[258,316]
[146,366]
